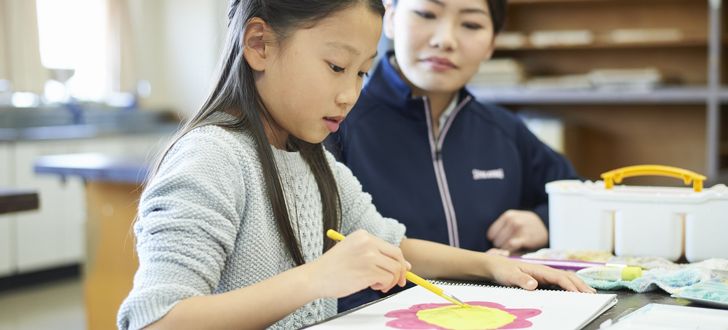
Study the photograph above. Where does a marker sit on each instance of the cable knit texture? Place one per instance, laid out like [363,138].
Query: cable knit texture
[206,226]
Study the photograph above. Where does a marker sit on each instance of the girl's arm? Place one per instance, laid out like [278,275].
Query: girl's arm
[360,261]
[434,260]
[254,307]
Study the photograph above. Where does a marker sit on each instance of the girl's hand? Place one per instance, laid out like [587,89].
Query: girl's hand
[510,272]
[359,261]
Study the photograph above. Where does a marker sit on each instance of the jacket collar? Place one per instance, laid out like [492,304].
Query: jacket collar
[387,85]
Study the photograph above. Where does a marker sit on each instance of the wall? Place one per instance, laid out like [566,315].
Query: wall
[177,48]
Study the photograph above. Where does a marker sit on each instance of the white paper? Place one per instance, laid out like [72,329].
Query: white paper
[671,317]
[559,309]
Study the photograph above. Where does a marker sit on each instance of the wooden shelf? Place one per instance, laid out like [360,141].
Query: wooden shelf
[526,2]
[724,148]
[722,178]
[697,95]
[673,124]
[530,2]
[605,44]
[603,41]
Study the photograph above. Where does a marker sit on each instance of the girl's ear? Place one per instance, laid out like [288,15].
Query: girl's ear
[255,49]
[389,18]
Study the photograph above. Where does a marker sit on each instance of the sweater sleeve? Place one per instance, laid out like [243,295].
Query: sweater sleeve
[186,227]
[357,209]
[541,166]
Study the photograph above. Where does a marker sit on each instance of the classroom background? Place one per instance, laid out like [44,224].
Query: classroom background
[91,89]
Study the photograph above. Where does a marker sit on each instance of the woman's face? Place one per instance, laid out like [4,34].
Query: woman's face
[439,44]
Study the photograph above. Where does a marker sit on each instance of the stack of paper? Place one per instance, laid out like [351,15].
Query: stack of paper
[645,35]
[504,72]
[565,82]
[508,39]
[561,38]
[626,79]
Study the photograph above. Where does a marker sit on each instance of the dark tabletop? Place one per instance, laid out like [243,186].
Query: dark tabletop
[629,301]
[16,200]
[95,167]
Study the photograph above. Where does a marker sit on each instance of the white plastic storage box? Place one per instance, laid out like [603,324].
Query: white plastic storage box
[638,220]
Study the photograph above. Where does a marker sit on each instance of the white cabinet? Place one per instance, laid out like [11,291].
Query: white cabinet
[7,222]
[54,234]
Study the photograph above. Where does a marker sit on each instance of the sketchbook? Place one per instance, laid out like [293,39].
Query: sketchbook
[493,308]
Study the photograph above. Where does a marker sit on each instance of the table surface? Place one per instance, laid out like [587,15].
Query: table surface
[16,200]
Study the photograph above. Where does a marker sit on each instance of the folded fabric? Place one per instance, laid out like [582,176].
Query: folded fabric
[713,292]
[669,280]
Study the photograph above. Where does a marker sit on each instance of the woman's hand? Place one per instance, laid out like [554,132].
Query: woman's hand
[510,272]
[359,261]
[498,252]
[515,230]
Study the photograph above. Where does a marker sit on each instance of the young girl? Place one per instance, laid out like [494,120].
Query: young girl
[231,227]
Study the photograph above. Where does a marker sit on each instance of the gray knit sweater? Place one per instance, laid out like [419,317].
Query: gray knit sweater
[205,225]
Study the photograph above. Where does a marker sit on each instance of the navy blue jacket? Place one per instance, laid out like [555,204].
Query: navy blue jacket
[448,190]
[452,188]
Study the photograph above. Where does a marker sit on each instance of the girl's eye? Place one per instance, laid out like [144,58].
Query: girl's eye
[363,74]
[472,26]
[336,68]
[425,14]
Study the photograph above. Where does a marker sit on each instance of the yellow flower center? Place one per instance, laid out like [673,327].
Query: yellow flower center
[471,317]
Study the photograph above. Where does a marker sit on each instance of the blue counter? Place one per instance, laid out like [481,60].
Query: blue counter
[95,167]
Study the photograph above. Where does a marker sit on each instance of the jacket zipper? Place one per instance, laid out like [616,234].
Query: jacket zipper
[437,163]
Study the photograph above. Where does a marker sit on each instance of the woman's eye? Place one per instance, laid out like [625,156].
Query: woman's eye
[472,26]
[336,68]
[363,74]
[425,14]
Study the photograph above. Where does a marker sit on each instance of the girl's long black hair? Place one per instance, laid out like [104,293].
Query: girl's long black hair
[235,91]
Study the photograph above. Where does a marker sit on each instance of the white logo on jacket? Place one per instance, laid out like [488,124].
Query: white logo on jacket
[488,174]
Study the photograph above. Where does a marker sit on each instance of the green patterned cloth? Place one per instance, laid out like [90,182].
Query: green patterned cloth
[670,280]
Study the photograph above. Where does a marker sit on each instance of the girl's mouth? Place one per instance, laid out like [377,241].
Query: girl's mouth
[333,123]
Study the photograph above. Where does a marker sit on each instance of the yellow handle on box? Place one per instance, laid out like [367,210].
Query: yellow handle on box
[688,177]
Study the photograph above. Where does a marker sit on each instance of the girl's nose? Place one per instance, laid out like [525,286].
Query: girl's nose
[347,96]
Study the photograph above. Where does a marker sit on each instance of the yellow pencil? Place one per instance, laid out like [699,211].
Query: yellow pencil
[412,277]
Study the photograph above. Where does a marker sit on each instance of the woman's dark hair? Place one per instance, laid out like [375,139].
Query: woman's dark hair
[497,9]
[235,91]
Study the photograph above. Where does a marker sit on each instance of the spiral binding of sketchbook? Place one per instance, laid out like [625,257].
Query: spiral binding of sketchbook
[481,285]
[537,309]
